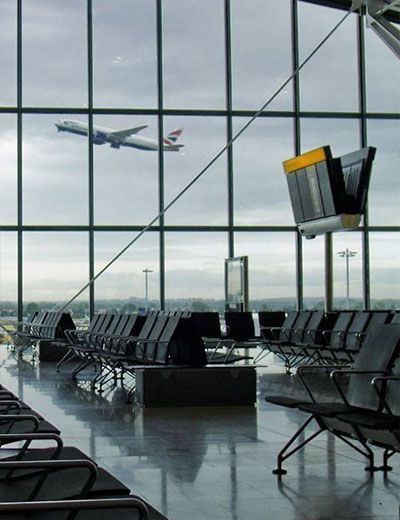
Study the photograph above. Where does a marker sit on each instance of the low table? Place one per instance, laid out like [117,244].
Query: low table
[203,386]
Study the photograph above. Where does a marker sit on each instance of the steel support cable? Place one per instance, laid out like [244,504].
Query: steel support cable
[212,161]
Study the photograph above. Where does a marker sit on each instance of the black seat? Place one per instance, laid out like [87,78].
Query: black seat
[334,339]
[381,426]
[353,336]
[124,508]
[375,358]
[64,479]
[267,319]
[270,336]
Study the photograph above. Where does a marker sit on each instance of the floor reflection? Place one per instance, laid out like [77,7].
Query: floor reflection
[209,462]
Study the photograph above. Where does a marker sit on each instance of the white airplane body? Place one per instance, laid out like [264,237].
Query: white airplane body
[118,138]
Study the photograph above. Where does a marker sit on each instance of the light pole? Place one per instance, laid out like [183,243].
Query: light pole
[347,254]
[146,284]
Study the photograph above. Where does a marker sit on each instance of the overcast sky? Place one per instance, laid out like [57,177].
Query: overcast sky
[55,164]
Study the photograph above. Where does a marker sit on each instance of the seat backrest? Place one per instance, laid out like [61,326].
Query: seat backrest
[271,318]
[121,324]
[148,325]
[288,333]
[129,348]
[127,327]
[186,346]
[41,320]
[377,354]
[159,354]
[358,324]
[94,322]
[341,325]
[128,324]
[320,323]
[145,350]
[316,323]
[377,318]
[107,325]
[395,317]
[206,324]
[391,391]
[63,323]
[32,317]
[288,324]
[113,324]
[239,325]
[102,323]
[44,330]
[106,342]
[298,333]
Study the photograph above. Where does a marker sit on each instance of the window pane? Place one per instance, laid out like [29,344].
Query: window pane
[385,270]
[126,178]
[8,54]
[8,274]
[385,182]
[55,268]
[8,161]
[342,135]
[195,270]
[124,53]
[272,272]
[54,53]
[257,74]
[206,201]
[314,273]
[349,245]
[194,55]
[55,172]
[382,75]
[329,80]
[260,189]
[122,287]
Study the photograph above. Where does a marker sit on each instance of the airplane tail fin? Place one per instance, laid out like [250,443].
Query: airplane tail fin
[173,136]
[170,142]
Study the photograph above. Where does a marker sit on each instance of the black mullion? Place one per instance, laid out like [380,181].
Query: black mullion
[90,154]
[20,295]
[202,113]
[297,143]
[160,151]
[229,126]
[179,228]
[363,139]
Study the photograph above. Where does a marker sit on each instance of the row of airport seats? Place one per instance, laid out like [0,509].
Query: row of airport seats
[118,344]
[42,479]
[313,337]
[42,325]
[363,407]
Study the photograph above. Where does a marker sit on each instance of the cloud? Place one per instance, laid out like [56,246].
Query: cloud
[55,166]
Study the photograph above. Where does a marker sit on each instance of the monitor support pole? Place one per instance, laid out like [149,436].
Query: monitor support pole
[328,272]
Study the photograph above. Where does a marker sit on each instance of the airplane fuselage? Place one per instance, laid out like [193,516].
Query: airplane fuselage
[103,135]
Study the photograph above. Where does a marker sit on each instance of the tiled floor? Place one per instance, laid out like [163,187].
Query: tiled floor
[210,463]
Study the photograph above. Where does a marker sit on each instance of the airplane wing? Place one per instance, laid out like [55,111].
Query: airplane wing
[120,135]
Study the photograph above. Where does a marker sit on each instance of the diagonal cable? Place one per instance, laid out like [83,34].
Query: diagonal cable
[212,161]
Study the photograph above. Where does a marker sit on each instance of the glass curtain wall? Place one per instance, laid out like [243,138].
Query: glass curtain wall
[109,109]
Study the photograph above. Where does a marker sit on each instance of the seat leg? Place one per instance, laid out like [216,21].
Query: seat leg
[368,453]
[69,355]
[284,454]
[79,368]
[386,456]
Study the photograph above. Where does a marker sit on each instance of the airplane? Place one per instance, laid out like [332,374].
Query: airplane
[117,138]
